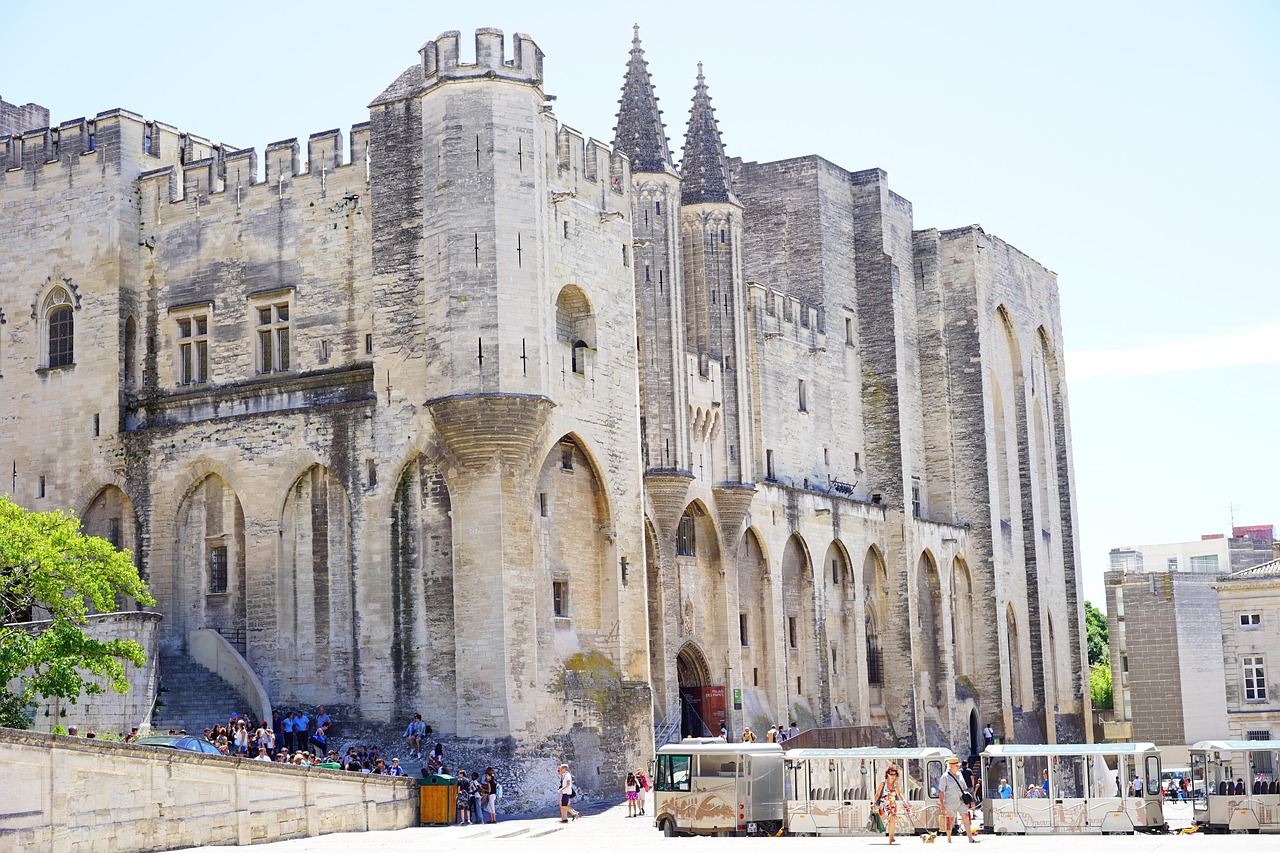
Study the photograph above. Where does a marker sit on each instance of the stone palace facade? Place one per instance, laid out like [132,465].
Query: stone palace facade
[470,415]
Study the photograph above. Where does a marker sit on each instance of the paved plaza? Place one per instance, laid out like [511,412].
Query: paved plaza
[607,827]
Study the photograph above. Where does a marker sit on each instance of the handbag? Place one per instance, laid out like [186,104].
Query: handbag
[966,798]
[876,822]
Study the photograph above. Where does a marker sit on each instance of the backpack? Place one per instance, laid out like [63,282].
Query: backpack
[497,789]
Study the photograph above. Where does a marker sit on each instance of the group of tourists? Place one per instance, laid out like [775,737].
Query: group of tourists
[776,734]
[478,797]
[289,737]
[293,737]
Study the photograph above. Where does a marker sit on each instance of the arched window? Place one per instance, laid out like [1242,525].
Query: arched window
[1015,658]
[686,536]
[575,326]
[60,329]
[875,663]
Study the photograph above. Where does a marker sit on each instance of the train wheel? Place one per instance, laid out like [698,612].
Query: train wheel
[669,828]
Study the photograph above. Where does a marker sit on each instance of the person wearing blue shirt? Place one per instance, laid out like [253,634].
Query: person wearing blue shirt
[1006,791]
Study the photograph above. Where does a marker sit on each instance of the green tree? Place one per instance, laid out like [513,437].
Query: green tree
[52,571]
[1095,629]
[1100,686]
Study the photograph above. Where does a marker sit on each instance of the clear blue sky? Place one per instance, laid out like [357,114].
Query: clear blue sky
[1131,147]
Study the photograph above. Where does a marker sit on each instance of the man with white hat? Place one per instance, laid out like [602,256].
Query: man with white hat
[954,798]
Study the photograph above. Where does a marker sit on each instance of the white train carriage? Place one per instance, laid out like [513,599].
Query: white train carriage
[829,791]
[1072,788]
[704,786]
[1241,785]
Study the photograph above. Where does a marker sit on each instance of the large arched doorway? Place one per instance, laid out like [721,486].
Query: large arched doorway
[209,584]
[701,703]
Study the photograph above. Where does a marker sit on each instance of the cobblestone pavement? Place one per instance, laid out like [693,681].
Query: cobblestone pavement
[607,827]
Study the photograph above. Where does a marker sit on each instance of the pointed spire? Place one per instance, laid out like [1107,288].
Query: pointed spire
[704,167]
[640,133]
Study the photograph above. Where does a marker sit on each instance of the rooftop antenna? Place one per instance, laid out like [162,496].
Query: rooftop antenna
[1231,508]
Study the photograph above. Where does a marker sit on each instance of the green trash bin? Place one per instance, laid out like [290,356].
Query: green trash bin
[437,800]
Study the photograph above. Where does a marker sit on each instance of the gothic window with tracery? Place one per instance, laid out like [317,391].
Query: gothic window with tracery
[60,326]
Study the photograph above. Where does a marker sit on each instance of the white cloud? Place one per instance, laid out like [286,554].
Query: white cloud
[1249,346]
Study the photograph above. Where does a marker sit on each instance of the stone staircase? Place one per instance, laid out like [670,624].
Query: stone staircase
[194,698]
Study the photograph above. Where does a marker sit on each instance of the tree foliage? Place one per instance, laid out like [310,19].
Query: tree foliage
[1100,686]
[53,572]
[1095,629]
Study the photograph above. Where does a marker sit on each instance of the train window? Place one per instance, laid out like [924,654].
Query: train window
[1071,775]
[673,772]
[934,773]
[1103,780]
[1198,776]
[1153,774]
[997,771]
[716,765]
[915,782]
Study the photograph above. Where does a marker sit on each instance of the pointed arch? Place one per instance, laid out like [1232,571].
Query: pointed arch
[696,534]
[838,570]
[110,515]
[756,620]
[876,598]
[577,581]
[1014,643]
[58,328]
[575,318]
[421,578]
[697,716]
[1002,498]
[928,653]
[317,587]
[962,618]
[205,587]
[800,626]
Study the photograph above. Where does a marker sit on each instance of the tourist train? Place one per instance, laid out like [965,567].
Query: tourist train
[706,786]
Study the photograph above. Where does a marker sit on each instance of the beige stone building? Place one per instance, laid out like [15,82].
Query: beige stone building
[1250,605]
[463,413]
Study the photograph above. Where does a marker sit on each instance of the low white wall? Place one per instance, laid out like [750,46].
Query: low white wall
[67,795]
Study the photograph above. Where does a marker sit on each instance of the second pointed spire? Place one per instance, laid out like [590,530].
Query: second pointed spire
[704,167]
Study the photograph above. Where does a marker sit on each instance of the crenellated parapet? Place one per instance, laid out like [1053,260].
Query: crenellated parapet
[188,166]
[441,61]
[592,160]
[777,313]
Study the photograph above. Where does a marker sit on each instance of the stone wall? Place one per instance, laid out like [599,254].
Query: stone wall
[110,711]
[66,794]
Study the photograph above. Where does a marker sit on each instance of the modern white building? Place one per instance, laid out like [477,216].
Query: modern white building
[1212,553]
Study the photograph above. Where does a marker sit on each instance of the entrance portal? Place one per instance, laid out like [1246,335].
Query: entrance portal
[701,704]
[975,746]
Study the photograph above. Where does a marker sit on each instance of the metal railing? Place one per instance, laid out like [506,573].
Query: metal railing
[668,728]
[844,737]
